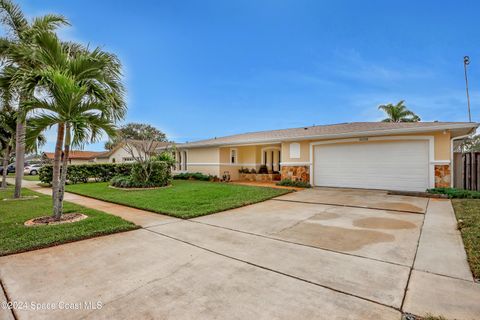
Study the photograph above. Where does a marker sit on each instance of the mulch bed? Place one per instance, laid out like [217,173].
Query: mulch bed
[49,220]
[138,189]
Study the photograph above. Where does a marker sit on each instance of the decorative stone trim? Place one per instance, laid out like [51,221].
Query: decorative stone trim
[442,176]
[296,173]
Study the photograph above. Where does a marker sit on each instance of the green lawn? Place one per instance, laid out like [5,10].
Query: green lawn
[15,237]
[184,199]
[31,178]
[468,210]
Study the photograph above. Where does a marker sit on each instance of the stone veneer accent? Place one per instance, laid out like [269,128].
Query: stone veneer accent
[296,173]
[442,176]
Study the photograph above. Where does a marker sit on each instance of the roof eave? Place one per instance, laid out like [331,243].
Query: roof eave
[472,125]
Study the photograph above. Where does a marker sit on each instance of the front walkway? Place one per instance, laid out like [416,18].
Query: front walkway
[139,217]
[283,258]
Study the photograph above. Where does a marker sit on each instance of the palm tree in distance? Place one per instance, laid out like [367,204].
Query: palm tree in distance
[398,113]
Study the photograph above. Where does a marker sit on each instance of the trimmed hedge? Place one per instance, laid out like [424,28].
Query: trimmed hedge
[456,193]
[292,183]
[83,172]
[194,176]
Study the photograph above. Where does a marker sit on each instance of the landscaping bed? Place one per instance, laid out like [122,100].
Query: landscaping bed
[467,212]
[16,237]
[184,199]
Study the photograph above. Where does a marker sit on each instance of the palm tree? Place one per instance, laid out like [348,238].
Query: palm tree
[81,93]
[21,33]
[8,120]
[398,113]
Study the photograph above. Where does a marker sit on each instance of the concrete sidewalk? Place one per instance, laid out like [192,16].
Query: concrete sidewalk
[441,282]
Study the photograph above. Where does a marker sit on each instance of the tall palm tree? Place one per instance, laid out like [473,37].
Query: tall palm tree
[398,113]
[8,120]
[81,92]
[21,33]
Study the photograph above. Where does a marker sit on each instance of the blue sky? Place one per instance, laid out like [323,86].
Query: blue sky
[198,69]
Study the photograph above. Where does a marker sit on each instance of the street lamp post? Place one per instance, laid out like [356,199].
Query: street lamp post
[466,62]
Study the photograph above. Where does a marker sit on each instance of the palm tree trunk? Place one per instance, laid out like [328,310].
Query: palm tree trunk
[6,157]
[58,206]
[19,156]
[56,161]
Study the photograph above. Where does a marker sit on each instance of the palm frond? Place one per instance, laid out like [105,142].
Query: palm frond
[12,16]
[49,23]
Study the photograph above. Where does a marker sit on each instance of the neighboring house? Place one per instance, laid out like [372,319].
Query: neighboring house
[129,150]
[378,155]
[126,151]
[75,157]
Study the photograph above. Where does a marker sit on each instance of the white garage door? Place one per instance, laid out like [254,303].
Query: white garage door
[401,165]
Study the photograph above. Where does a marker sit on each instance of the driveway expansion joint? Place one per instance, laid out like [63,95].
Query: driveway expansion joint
[446,276]
[414,258]
[301,244]
[8,300]
[160,224]
[350,206]
[177,269]
[274,271]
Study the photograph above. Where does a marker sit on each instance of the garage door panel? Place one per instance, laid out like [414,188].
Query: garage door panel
[401,165]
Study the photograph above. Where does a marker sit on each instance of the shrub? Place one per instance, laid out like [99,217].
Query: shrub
[243,170]
[293,183]
[45,174]
[194,176]
[158,175]
[166,157]
[253,171]
[263,169]
[128,182]
[84,172]
[456,193]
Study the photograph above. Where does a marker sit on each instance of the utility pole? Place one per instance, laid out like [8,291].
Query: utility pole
[466,62]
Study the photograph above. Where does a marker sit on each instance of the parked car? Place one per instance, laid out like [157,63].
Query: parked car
[32,169]
[11,168]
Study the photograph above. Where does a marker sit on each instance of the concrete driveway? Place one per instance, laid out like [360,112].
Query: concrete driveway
[319,253]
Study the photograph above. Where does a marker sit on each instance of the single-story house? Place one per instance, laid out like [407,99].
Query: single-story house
[129,150]
[75,157]
[125,151]
[377,155]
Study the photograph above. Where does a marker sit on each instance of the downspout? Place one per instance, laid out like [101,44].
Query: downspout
[452,171]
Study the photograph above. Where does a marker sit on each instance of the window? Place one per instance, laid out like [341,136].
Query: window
[294,150]
[233,156]
[113,160]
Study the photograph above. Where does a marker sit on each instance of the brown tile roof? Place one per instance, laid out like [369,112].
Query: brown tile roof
[77,154]
[331,131]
